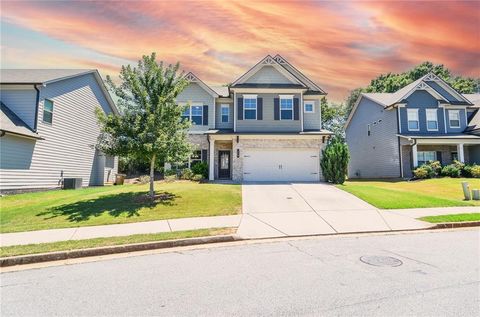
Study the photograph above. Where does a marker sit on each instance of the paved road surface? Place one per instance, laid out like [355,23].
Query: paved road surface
[319,276]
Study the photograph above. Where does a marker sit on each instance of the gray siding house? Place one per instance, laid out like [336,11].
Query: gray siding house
[265,126]
[49,129]
[390,134]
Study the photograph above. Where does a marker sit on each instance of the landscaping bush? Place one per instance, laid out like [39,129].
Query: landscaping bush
[200,168]
[424,171]
[335,159]
[197,177]
[170,178]
[169,172]
[186,174]
[474,171]
[144,179]
[436,167]
[451,170]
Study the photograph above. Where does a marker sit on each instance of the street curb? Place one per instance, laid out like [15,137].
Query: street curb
[450,225]
[64,255]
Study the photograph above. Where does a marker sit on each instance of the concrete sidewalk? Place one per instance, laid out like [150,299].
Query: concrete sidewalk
[80,233]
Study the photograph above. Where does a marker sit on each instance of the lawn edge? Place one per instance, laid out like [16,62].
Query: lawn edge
[80,253]
[458,224]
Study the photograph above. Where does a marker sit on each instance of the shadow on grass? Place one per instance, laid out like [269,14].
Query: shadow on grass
[116,205]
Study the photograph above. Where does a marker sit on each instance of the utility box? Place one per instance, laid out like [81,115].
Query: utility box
[72,183]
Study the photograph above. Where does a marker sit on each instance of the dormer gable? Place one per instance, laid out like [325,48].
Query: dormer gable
[192,78]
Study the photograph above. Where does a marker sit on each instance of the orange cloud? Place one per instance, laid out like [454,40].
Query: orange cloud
[340,45]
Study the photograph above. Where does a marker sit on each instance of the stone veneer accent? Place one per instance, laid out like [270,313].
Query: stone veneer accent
[237,166]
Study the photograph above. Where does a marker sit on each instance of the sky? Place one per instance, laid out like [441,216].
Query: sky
[340,45]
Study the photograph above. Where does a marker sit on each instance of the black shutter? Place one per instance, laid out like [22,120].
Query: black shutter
[439,157]
[259,108]
[276,109]
[296,109]
[205,115]
[204,155]
[240,108]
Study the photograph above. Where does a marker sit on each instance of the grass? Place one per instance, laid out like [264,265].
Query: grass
[452,218]
[397,194]
[111,241]
[116,204]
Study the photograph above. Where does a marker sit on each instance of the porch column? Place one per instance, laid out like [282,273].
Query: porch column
[461,155]
[211,164]
[414,155]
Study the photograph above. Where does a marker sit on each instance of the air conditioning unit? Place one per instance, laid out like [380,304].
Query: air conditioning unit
[72,183]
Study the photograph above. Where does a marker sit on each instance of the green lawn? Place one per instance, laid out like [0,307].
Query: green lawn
[103,242]
[116,204]
[395,194]
[452,218]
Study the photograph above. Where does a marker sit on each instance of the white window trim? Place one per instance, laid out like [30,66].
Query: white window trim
[194,104]
[408,120]
[43,113]
[434,155]
[436,117]
[223,106]
[285,97]
[309,103]
[256,106]
[449,120]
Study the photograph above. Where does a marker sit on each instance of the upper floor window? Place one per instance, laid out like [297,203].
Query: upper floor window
[412,118]
[454,118]
[194,113]
[432,119]
[286,107]
[250,107]
[225,112]
[309,107]
[47,111]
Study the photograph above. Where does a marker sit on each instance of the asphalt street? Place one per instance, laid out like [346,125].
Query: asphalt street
[413,274]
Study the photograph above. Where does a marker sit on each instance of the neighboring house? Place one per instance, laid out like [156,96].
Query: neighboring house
[49,129]
[265,126]
[389,134]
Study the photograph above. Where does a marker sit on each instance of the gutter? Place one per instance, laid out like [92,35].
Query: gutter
[36,107]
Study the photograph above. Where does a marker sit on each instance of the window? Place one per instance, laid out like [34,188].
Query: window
[250,107]
[425,156]
[194,114]
[286,107]
[454,118]
[308,107]
[454,156]
[195,158]
[225,112]
[432,120]
[412,117]
[47,111]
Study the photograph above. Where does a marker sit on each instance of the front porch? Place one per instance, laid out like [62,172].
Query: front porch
[416,151]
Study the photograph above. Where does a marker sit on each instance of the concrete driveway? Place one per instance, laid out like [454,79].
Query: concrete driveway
[295,209]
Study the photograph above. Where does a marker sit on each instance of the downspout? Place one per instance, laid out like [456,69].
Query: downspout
[400,156]
[36,108]
[413,144]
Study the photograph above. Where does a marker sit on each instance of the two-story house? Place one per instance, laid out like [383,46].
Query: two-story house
[390,134]
[265,126]
[48,128]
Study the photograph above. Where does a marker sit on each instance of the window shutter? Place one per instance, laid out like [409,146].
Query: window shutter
[439,157]
[259,108]
[205,115]
[240,108]
[204,155]
[276,108]
[296,109]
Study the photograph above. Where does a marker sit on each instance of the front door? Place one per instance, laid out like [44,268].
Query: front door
[223,164]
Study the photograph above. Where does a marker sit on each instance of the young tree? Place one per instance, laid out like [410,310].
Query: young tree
[150,127]
[335,159]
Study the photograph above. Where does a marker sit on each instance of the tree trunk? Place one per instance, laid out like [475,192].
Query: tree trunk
[152,170]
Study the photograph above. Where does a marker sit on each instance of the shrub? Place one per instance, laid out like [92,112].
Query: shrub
[451,170]
[169,172]
[144,179]
[200,168]
[458,165]
[424,171]
[170,178]
[436,166]
[197,177]
[467,171]
[186,174]
[475,171]
[335,159]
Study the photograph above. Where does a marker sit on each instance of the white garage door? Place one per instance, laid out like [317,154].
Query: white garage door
[294,164]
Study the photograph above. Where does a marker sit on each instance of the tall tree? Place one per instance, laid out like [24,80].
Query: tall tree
[150,127]
[333,116]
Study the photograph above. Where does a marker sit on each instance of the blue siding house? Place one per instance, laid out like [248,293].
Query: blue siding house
[389,134]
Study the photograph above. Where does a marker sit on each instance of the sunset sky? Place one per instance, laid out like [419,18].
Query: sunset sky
[340,45]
